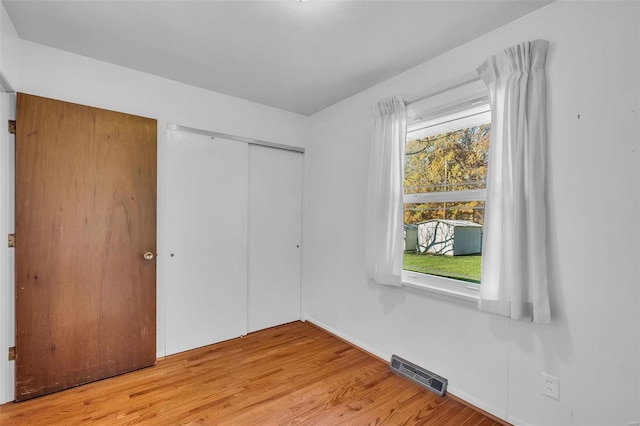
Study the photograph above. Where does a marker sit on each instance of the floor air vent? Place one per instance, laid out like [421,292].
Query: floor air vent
[419,375]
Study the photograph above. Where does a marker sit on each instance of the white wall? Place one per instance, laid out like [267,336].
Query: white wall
[7,259]
[592,344]
[8,67]
[39,70]
[9,48]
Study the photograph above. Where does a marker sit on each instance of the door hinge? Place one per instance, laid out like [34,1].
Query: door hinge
[12,127]
[12,353]
[12,240]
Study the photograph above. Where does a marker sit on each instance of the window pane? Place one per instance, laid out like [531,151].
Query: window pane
[444,238]
[452,161]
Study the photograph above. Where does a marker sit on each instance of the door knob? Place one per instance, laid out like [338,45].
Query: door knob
[148,255]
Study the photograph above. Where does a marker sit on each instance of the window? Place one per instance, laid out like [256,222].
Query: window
[445,166]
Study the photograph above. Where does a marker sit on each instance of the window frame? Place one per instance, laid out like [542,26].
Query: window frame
[449,287]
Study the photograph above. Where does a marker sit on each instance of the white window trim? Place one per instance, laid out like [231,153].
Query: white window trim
[444,286]
[445,196]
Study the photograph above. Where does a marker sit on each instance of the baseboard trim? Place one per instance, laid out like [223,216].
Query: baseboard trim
[358,345]
[479,410]
[375,354]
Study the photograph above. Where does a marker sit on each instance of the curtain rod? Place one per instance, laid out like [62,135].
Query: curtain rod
[454,84]
[250,141]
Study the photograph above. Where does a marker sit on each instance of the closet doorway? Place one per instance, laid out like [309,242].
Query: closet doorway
[233,238]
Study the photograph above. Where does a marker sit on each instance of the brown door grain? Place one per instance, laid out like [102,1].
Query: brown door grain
[85,216]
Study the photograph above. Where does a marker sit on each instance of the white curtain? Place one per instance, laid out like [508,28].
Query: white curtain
[514,257]
[384,215]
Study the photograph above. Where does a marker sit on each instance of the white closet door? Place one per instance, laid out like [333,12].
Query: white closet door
[275,211]
[206,300]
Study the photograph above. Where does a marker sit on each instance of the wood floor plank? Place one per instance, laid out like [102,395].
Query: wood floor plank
[294,374]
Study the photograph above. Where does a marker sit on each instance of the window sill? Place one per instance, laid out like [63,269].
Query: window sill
[443,286]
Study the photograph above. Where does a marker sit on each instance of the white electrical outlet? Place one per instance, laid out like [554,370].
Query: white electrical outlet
[550,386]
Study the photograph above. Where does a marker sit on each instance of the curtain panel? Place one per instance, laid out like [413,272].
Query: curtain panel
[384,216]
[514,257]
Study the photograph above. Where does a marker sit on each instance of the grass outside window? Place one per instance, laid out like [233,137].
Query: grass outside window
[464,268]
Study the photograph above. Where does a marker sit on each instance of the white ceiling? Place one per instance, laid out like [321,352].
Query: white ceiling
[297,56]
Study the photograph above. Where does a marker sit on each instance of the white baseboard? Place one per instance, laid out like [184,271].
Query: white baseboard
[349,339]
[482,405]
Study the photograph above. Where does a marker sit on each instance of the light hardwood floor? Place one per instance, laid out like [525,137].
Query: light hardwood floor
[290,374]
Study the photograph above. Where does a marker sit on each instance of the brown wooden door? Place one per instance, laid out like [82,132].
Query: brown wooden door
[85,216]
